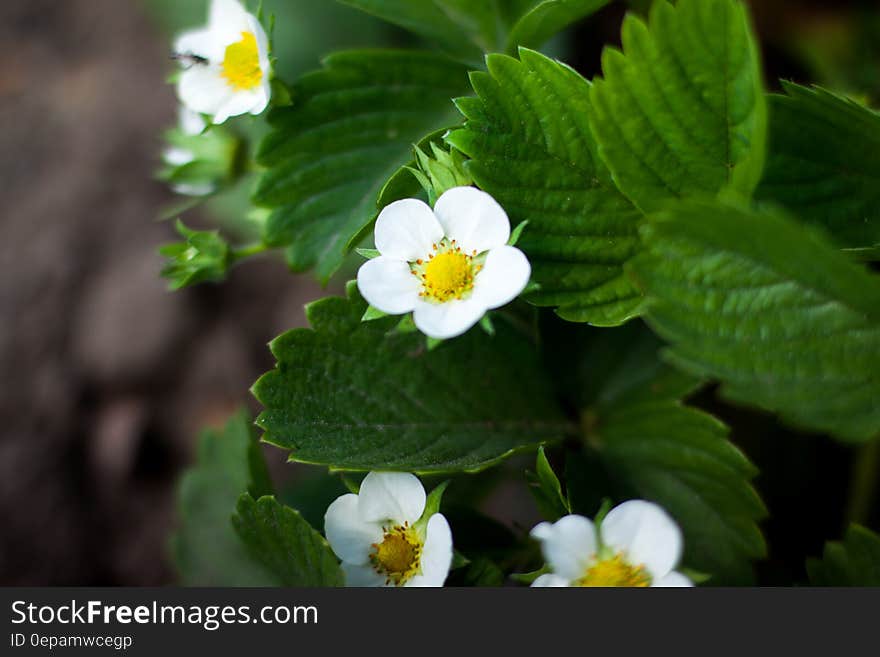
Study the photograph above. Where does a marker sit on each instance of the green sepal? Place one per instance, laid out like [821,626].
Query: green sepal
[282,96]
[432,506]
[528,578]
[440,171]
[372,313]
[432,343]
[459,560]
[515,235]
[487,325]
[695,576]
[349,482]
[405,325]
[546,489]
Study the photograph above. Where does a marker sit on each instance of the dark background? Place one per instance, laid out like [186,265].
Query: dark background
[106,378]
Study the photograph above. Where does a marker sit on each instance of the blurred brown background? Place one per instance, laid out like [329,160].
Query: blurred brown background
[106,377]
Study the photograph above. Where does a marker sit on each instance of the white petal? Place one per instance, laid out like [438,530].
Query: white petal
[260,100]
[674,579]
[190,123]
[177,157]
[193,189]
[388,285]
[436,554]
[568,545]
[202,42]
[360,576]
[646,534]
[350,537]
[262,41]
[203,90]
[450,319]
[227,14]
[550,580]
[504,275]
[407,230]
[396,496]
[241,102]
[473,219]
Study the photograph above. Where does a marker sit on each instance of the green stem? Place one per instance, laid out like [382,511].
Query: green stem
[863,488]
[240,253]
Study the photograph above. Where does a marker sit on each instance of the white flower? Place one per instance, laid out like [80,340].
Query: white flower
[227,64]
[448,265]
[382,538]
[638,544]
[190,124]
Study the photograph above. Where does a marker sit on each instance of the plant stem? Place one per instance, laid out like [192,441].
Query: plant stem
[863,487]
[238,254]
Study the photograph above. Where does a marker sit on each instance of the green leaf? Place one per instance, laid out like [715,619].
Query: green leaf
[356,396]
[853,562]
[784,320]
[652,447]
[548,18]
[207,551]
[531,148]
[280,539]
[824,163]
[462,28]
[352,125]
[682,459]
[682,111]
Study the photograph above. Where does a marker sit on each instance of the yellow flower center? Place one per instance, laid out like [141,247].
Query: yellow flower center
[448,273]
[398,555]
[241,64]
[615,571]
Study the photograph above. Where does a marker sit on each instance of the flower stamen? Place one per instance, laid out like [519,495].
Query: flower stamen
[447,274]
[398,556]
[615,571]
[241,63]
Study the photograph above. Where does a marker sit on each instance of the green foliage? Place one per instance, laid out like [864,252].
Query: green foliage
[682,111]
[855,561]
[355,396]
[432,505]
[280,539]
[206,549]
[204,256]
[546,489]
[824,163]
[652,447]
[352,125]
[440,171]
[482,572]
[658,190]
[531,147]
[547,18]
[784,320]
[213,159]
[462,28]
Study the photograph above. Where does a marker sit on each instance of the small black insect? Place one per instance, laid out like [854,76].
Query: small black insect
[188,59]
